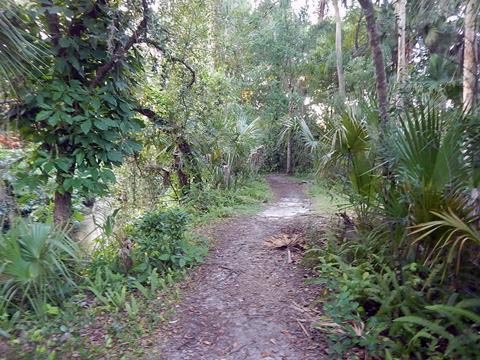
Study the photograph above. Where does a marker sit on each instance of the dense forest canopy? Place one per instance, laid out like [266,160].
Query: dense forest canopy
[140,116]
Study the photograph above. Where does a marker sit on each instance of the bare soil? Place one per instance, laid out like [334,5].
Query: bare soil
[246,301]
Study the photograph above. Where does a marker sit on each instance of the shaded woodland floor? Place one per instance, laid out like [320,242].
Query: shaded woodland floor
[247,301]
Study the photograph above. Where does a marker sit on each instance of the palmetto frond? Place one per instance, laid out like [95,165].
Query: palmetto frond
[310,141]
[456,233]
[18,53]
[37,263]
[428,150]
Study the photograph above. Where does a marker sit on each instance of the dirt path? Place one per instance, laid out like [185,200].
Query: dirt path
[245,302]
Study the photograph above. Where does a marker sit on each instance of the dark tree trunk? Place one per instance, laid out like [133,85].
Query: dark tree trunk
[290,155]
[381,85]
[183,180]
[322,9]
[378,62]
[62,208]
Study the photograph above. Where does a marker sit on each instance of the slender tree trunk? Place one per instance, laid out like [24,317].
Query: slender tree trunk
[470,86]
[291,112]
[338,50]
[62,208]
[289,155]
[469,56]
[381,85]
[322,9]
[378,62]
[62,202]
[401,10]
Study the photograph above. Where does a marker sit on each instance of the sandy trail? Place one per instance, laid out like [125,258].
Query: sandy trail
[245,301]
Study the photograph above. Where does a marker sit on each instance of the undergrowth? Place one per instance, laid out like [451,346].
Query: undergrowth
[122,291]
[389,310]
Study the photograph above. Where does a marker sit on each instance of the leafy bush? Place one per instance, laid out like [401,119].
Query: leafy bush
[36,266]
[161,241]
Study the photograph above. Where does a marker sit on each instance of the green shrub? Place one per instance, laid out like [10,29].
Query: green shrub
[36,266]
[161,241]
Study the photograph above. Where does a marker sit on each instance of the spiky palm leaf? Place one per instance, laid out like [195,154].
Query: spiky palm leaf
[18,54]
[428,151]
[36,263]
[454,236]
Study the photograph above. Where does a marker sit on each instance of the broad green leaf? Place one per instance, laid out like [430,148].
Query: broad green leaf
[54,119]
[79,157]
[86,126]
[42,115]
[115,156]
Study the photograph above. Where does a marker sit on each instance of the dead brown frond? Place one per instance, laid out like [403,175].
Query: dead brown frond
[282,241]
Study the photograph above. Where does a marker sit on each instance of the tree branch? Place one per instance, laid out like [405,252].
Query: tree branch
[120,52]
[171,58]
[152,115]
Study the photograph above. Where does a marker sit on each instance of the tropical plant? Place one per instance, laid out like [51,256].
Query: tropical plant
[37,266]
[20,54]
[427,148]
[350,147]
[160,240]
[454,239]
[453,332]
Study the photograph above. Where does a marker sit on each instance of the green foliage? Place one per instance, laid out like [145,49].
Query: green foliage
[350,146]
[160,240]
[454,237]
[36,266]
[427,148]
[388,310]
[455,325]
[78,146]
[108,287]
[20,54]
[212,202]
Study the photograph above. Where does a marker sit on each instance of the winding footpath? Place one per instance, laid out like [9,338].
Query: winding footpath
[246,300]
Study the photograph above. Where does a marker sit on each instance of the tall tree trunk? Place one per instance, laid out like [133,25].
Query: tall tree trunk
[290,154]
[470,87]
[291,112]
[469,56]
[401,12]
[338,50]
[322,9]
[378,62]
[62,208]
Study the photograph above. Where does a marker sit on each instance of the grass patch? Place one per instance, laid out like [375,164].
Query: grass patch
[211,204]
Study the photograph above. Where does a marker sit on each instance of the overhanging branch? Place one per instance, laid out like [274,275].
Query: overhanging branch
[171,58]
[120,52]
[152,115]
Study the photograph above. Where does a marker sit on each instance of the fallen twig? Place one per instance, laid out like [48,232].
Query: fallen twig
[303,328]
